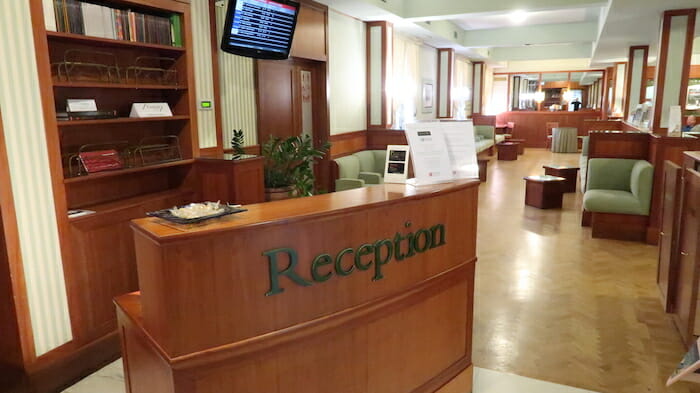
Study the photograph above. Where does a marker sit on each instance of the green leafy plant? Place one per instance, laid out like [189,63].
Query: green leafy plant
[237,144]
[289,162]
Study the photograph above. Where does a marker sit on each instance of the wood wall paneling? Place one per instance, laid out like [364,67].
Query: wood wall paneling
[348,143]
[531,126]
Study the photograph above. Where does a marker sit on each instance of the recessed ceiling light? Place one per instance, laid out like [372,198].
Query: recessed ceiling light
[518,16]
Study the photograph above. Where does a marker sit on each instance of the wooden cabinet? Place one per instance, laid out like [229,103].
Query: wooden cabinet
[667,273]
[310,37]
[232,181]
[686,291]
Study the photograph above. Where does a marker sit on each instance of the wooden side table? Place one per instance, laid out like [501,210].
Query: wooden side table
[508,151]
[570,173]
[544,192]
[521,145]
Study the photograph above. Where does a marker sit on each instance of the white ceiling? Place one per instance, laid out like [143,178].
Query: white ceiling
[535,18]
[599,30]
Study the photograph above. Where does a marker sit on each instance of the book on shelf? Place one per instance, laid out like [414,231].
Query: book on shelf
[82,17]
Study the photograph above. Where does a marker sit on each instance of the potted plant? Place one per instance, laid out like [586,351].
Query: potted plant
[237,144]
[289,168]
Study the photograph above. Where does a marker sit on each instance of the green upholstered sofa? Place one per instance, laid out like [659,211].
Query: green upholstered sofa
[618,197]
[485,137]
[364,168]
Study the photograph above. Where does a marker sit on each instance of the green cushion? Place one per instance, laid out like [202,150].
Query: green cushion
[486,131]
[379,161]
[483,145]
[348,167]
[610,174]
[613,201]
[641,184]
[584,146]
[500,138]
[366,158]
[348,184]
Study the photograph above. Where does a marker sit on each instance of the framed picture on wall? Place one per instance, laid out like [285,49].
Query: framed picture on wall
[428,96]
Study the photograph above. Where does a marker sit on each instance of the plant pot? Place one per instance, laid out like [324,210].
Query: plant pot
[278,194]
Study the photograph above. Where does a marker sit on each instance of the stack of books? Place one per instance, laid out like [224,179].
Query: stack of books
[80,17]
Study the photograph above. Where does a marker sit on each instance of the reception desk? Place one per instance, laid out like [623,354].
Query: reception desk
[367,290]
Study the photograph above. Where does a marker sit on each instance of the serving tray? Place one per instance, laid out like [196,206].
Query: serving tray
[167,215]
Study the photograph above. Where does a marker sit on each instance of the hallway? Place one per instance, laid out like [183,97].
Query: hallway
[556,305]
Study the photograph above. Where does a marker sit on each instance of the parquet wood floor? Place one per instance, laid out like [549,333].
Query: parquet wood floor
[556,305]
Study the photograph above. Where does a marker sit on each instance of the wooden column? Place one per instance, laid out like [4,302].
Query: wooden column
[379,63]
[446,61]
[515,93]
[636,80]
[673,64]
[618,83]
[477,87]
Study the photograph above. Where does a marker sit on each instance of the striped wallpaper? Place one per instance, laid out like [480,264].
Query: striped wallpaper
[204,79]
[238,106]
[31,180]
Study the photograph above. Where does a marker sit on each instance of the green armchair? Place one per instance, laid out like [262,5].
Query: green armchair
[361,169]
[618,197]
[485,137]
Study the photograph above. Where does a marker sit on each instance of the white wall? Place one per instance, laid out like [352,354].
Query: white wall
[347,63]
[428,71]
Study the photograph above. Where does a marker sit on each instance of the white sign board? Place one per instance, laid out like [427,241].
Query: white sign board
[150,109]
[396,168]
[675,123]
[81,105]
[431,159]
[461,145]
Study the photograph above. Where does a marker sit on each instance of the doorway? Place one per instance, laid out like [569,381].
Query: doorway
[293,101]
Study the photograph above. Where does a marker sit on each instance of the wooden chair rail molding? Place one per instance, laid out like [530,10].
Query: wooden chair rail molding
[328,281]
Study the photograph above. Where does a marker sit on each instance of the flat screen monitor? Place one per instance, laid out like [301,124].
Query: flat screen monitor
[261,29]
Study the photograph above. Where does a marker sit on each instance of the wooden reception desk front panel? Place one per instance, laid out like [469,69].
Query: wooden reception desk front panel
[369,290]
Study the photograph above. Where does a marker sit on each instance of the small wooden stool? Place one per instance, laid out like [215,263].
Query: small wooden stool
[507,151]
[570,173]
[544,192]
[521,145]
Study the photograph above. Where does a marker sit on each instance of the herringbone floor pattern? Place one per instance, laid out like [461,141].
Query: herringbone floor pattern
[554,304]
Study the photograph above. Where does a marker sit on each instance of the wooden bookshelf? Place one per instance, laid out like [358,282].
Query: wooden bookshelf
[97,249]
[100,85]
[119,120]
[108,42]
[127,171]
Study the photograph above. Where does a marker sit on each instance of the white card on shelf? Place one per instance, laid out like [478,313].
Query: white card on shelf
[150,109]
[74,105]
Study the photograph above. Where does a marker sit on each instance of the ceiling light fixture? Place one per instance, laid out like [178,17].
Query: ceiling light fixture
[518,16]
